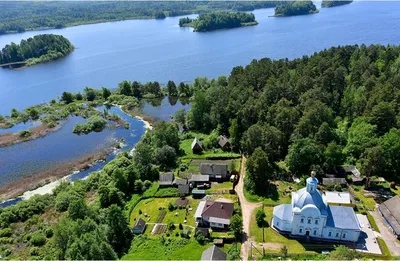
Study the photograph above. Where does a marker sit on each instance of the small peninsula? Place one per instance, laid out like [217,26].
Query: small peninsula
[296,8]
[38,49]
[218,20]
[330,3]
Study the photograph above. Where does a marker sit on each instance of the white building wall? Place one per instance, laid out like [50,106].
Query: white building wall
[282,225]
[309,219]
[341,234]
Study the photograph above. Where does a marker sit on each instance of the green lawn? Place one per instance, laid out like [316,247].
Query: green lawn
[365,202]
[186,146]
[282,194]
[151,208]
[215,186]
[271,236]
[372,222]
[193,165]
[172,248]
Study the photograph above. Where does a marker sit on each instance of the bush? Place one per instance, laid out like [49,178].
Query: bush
[180,226]
[200,238]
[38,239]
[140,212]
[7,252]
[34,251]
[5,232]
[260,218]
[49,232]
[171,207]
[338,187]
[25,133]
[94,123]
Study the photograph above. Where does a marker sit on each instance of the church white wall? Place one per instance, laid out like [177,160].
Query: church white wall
[281,224]
[341,234]
[309,219]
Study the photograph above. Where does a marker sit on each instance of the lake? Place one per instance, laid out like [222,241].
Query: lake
[63,146]
[149,50]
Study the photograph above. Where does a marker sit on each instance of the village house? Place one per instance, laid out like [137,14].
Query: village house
[390,211]
[196,180]
[139,227]
[214,170]
[196,146]
[224,143]
[309,216]
[214,214]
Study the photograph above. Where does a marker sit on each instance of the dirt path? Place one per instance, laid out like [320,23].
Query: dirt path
[247,210]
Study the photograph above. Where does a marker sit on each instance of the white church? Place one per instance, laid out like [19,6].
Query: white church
[310,216]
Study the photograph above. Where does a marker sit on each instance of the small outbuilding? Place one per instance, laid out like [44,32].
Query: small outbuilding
[196,146]
[139,227]
[198,193]
[390,211]
[203,230]
[334,181]
[166,180]
[213,253]
[224,143]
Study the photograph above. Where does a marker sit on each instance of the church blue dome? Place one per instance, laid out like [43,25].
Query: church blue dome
[303,198]
[310,196]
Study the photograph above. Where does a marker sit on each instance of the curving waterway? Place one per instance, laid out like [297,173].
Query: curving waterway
[149,50]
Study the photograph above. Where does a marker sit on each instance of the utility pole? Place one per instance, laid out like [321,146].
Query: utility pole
[263,223]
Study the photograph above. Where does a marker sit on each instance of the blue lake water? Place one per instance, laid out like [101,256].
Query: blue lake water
[148,50]
[162,110]
[21,126]
[63,146]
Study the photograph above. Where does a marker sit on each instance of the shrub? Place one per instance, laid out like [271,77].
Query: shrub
[170,206]
[140,212]
[200,238]
[38,239]
[5,232]
[180,226]
[94,123]
[34,251]
[260,217]
[25,133]
[7,252]
[49,232]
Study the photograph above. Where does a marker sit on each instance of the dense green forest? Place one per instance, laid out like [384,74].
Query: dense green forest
[316,112]
[219,20]
[38,49]
[296,8]
[21,16]
[330,3]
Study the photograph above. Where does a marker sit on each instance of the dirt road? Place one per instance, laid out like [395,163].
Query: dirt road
[247,210]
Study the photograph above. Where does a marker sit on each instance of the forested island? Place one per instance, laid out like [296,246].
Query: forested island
[330,3]
[38,49]
[24,16]
[296,8]
[218,20]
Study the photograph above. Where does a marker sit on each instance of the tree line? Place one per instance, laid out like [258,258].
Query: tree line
[21,16]
[338,106]
[295,8]
[330,3]
[39,48]
[218,20]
